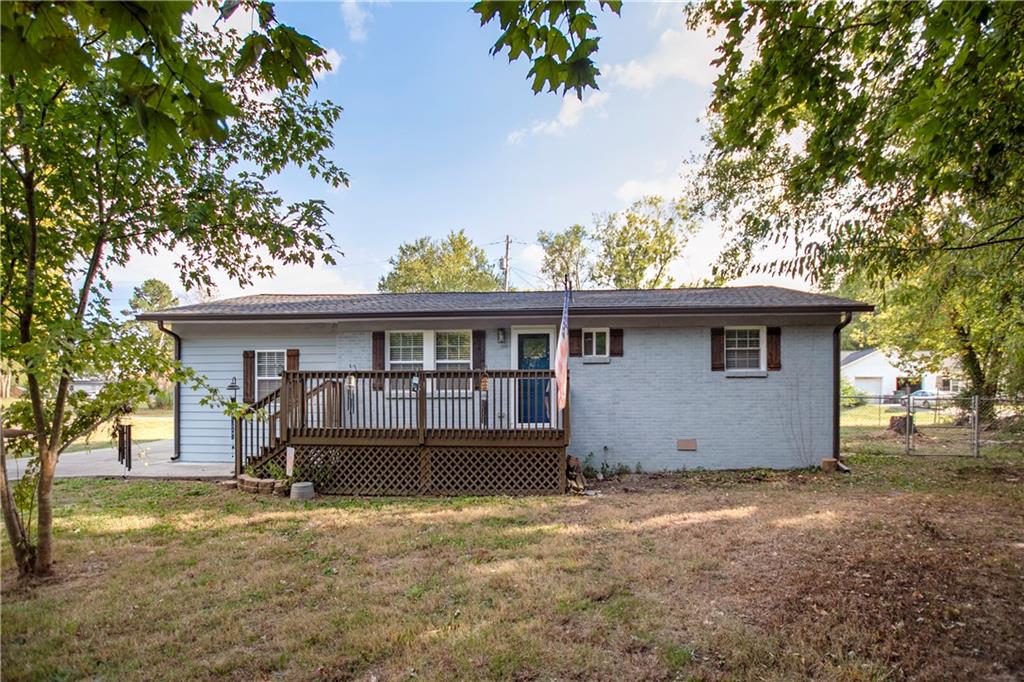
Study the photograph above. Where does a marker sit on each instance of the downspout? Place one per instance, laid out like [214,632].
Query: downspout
[177,392]
[847,317]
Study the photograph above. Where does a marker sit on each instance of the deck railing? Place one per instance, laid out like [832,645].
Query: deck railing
[360,407]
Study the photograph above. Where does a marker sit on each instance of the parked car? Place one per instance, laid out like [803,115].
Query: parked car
[920,398]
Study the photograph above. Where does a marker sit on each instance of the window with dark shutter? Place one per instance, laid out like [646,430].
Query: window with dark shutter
[575,343]
[248,376]
[718,349]
[378,359]
[479,354]
[615,344]
[774,348]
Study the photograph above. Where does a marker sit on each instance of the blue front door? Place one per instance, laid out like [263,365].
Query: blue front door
[534,353]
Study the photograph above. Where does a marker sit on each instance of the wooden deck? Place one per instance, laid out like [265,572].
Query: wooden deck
[492,421]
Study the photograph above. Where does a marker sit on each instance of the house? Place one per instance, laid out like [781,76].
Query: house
[872,372]
[452,392]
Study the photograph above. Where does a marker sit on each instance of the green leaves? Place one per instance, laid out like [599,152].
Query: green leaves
[174,97]
[554,36]
[452,264]
[852,122]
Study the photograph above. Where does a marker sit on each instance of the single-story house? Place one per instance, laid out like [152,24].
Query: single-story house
[452,392]
[875,373]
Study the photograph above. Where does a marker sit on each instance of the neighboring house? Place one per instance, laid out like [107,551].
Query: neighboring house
[660,379]
[874,373]
[90,385]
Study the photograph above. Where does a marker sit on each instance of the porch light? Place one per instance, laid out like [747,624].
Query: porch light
[234,387]
[501,335]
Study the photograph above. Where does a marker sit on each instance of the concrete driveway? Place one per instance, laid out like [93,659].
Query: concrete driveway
[149,460]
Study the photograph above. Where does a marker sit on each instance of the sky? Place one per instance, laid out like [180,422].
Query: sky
[438,135]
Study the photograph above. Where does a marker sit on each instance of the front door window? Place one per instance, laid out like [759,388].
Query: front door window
[534,393]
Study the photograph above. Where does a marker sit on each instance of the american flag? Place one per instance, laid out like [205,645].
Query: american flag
[562,354]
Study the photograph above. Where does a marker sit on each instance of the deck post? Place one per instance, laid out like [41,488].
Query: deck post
[421,409]
[286,406]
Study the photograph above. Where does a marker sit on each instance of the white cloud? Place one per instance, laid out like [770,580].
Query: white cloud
[670,185]
[679,54]
[334,60]
[569,116]
[355,17]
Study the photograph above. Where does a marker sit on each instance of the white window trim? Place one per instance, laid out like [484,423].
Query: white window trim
[256,369]
[763,348]
[607,342]
[429,356]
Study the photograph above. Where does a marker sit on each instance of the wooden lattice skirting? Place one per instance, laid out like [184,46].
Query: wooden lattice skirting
[428,470]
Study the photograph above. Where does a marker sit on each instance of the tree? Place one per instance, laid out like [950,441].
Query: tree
[565,253]
[636,246]
[128,130]
[850,125]
[150,296]
[969,307]
[452,264]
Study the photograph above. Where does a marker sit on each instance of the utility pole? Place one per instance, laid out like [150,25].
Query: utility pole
[504,262]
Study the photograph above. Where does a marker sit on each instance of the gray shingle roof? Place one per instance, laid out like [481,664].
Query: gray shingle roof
[755,299]
[857,355]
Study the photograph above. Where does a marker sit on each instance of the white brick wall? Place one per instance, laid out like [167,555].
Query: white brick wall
[662,389]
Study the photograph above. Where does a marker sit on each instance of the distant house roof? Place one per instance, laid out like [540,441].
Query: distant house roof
[857,355]
[754,299]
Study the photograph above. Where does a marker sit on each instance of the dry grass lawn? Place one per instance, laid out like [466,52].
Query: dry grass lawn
[904,569]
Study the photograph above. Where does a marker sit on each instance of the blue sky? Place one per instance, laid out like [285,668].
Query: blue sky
[439,135]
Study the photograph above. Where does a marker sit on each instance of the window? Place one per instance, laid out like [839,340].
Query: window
[452,351]
[595,343]
[951,385]
[269,365]
[744,348]
[405,350]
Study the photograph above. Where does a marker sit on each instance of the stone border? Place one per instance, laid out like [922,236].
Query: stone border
[263,486]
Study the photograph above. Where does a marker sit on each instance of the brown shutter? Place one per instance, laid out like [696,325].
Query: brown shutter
[615,343]
[718,349]
[479,353]
[774,348]
[575,342]
[292,360]
[378,359]
[248,376]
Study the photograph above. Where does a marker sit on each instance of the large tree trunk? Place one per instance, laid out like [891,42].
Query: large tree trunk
[44,529]
[982,384]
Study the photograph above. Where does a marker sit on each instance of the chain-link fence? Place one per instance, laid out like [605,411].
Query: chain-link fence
[930,425]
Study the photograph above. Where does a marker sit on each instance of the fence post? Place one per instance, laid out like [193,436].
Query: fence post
[975,426]
[908,425]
